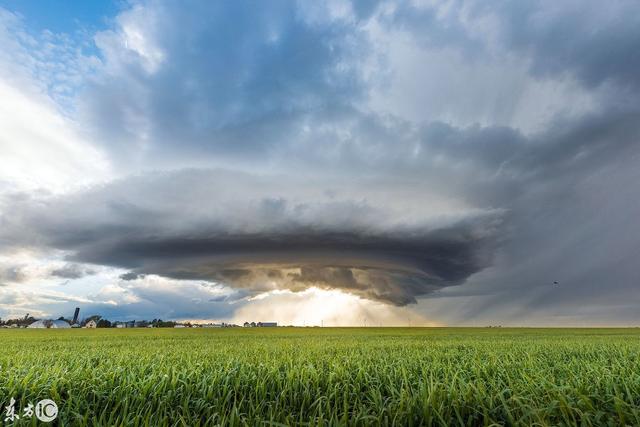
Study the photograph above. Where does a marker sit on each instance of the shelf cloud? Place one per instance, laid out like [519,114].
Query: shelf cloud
[259,244]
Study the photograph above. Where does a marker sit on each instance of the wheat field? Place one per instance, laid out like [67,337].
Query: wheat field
[326,376]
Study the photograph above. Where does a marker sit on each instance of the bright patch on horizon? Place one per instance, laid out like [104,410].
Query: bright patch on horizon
[320,307]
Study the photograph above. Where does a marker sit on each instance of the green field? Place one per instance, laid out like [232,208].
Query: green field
[313,376]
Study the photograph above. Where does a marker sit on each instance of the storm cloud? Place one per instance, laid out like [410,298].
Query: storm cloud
[390,269]
[261,243]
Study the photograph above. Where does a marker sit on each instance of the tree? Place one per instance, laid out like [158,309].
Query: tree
[162,324]
[103,323]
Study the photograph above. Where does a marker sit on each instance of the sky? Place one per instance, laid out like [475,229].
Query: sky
[423,163]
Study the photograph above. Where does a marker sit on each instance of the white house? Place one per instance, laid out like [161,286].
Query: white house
[91,324]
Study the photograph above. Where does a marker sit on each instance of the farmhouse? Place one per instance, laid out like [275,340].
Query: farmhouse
[267,324]
[260,324]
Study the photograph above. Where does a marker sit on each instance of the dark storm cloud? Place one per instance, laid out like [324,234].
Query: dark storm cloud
[597,42]
[72,271]
[571,201]
[394,268]
[262,243]
[129,276]
[272,237]
[507,164]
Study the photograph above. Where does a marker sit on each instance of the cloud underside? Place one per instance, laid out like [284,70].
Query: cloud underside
[383,268]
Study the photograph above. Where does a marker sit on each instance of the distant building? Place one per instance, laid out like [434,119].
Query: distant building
[91,324]
[49,324]
[180,326]
[212,325]
[119,324]
[267,324]
[260,324]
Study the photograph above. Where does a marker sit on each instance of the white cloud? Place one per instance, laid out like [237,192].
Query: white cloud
[133,42]
[40,149]
[40,146]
